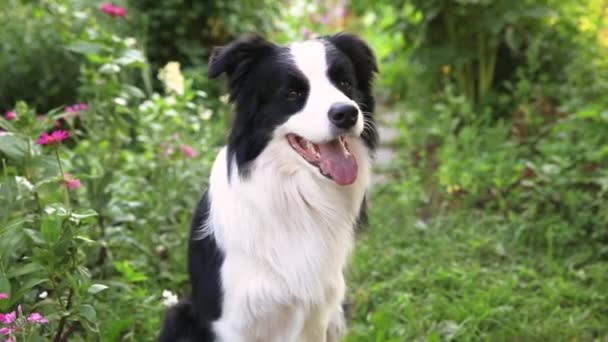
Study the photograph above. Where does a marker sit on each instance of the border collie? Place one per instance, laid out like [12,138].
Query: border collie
[271,237]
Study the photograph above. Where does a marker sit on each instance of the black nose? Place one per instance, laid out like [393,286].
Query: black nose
[343,115]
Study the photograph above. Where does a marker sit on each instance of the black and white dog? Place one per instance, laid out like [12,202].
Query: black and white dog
[271,237]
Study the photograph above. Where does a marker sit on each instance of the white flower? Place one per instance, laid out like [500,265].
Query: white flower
[172,78]
[170,100]
[130,42]
[43,295]
[146,105]
[24,183]
[169,298]
[224,98]
[120,101]
[206,114]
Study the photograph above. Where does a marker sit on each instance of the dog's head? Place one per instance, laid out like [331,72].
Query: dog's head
[314,96]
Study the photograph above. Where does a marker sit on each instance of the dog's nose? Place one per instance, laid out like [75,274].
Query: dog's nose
[343,115]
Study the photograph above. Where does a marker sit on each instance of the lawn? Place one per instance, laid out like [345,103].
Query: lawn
[461,275]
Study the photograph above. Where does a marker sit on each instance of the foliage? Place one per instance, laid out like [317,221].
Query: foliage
[31,54]
[480,45]
[93,227]
[184,31]
[494,224]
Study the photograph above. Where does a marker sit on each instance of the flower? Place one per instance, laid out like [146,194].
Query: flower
[206,114]
[172,77]
[10,115]
[3,295]
[37,318]
[8,318]
[225,98]
[71,182]
[169,298]
[75,109]
[189,151]
[113,11]
[5,331]
[54,138]
[10,339]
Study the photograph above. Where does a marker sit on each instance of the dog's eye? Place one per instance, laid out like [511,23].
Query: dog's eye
[293,94]
[346,84]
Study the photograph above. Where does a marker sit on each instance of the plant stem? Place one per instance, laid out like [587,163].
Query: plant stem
[68,306]
[66,193]
[29,176]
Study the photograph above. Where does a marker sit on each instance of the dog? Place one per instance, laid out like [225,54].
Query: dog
[272,234]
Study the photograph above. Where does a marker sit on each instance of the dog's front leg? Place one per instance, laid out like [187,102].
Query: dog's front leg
[261,322]
[256,307]
[337,326]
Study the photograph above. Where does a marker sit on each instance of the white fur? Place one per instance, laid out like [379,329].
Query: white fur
[287,231]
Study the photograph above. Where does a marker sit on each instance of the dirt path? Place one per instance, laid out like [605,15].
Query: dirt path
[385,154]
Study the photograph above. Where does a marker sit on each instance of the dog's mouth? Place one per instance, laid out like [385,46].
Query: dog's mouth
[333,158]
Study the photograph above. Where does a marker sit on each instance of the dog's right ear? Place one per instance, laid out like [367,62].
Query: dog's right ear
[236,58]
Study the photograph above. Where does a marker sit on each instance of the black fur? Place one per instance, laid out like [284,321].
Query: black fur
[365,68]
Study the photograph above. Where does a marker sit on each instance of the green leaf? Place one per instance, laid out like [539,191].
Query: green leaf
[28,286]
[23,270]
[14,146]
[84,214]
[50,228]
[96,288]
[35,236]
[130,57]
[134,92]
[87,312]
[85,48]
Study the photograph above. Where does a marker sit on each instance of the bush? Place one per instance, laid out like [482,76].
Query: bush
[185,31]
[94,227]
[35,65]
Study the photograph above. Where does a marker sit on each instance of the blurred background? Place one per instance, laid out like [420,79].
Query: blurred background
[489,213]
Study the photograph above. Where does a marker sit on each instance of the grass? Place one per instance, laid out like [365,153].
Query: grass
[427,271]
[461,276]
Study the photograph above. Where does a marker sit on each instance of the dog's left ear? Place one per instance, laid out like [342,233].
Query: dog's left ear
[360,54]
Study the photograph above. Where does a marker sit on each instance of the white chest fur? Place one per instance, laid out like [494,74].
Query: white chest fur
[287,234]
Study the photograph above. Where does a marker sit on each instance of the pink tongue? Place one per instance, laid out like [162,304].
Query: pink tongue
[338,163]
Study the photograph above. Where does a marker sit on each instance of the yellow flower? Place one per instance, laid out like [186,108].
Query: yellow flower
[172,77]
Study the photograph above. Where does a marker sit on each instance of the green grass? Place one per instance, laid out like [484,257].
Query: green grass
[462,275]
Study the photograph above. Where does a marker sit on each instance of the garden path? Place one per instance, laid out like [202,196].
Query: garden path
[385,154]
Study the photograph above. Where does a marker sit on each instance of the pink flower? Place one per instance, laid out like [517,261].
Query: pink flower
[8,318]
[308,34]
[5,331]
[37,318]
[114,11]
[54,138]
[10,339]
[10,115]
[3,295]
[71,182]
[75,109]
[189,151]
